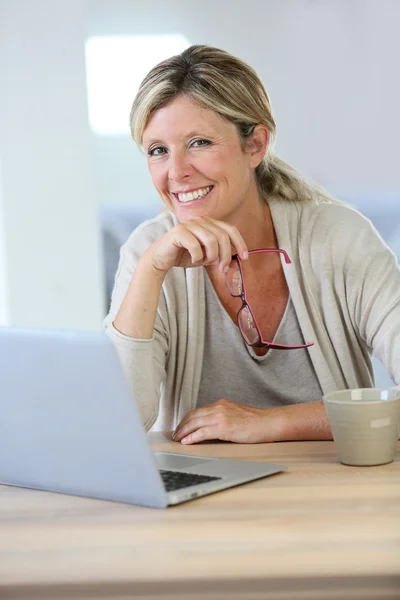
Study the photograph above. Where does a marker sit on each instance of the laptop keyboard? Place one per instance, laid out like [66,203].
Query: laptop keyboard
[176,480]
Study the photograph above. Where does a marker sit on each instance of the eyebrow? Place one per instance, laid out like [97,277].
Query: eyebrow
[194,133]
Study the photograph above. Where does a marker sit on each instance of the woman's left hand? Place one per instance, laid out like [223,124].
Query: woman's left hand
[230,422]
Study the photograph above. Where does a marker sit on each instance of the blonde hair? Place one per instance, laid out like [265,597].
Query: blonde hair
[221,82]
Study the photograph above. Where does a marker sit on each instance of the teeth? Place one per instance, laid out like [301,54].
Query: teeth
[194,195]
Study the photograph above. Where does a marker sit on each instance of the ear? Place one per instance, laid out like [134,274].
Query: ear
[257,145]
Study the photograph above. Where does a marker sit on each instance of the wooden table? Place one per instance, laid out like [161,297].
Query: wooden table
[316,532]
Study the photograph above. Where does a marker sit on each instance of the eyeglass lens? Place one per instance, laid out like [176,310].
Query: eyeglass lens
[234,279]
[247,326]
[245,318]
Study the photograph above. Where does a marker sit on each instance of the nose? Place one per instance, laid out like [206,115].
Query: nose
[179,166]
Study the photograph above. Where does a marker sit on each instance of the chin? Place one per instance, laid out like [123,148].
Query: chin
[185,213]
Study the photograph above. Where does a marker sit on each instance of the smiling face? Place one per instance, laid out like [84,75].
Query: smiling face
[197,162]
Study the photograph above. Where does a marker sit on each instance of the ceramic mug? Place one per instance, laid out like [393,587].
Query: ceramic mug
[365,424]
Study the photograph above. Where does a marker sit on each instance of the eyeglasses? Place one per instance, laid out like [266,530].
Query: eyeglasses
[246,320]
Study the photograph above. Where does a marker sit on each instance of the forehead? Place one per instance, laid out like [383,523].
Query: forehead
[183,117]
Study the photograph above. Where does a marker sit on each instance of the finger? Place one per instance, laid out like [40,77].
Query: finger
[225,248]
[201,435]
[183,238]
[208,237]
[192,425]
[218,240]
[194,414]
[235,237]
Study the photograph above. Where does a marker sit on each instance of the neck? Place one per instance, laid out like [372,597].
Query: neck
[255,225]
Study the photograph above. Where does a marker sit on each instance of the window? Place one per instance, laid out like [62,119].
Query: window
[115,67]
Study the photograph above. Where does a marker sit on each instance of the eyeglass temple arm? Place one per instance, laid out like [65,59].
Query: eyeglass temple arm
[262,250]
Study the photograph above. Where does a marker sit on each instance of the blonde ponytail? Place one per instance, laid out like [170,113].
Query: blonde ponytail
[275,177]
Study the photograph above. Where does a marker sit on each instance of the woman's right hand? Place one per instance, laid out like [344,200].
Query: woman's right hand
[197,242]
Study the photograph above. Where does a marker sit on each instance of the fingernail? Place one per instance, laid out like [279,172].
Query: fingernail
[226,269]
[184,440]
[245,255]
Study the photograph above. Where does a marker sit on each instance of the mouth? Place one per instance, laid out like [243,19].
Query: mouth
[193,195]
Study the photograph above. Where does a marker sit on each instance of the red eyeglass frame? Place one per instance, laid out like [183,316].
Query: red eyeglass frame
[261,343]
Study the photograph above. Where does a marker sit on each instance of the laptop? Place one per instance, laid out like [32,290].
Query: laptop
[69,424]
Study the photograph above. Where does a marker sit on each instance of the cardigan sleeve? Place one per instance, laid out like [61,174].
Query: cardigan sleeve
[373,284]
[143,361]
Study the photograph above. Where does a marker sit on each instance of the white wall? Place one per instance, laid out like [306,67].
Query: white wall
[4,307]
[51,263]
[330,67]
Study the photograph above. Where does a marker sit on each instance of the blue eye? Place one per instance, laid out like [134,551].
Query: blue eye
[200,143]
[158,151]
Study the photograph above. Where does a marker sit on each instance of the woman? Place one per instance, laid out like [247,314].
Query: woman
[310,312]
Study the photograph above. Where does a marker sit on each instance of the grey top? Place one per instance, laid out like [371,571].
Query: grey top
[232,370]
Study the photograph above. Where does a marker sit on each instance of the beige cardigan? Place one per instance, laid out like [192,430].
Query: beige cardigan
[344,283]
